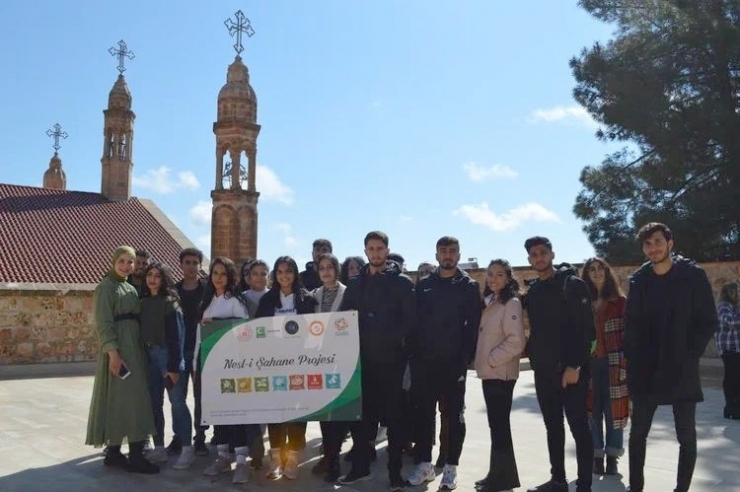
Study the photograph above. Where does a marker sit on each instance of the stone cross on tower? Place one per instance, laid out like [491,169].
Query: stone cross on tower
[122,52]
[57,134]
[242,25]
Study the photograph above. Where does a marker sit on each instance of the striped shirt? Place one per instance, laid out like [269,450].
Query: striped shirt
[728,336]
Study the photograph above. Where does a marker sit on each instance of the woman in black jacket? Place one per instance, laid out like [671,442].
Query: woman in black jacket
[286,296]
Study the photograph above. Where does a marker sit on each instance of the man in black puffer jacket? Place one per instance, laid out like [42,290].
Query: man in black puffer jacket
[561,333]
[384,299]
[442,347]
[670,318]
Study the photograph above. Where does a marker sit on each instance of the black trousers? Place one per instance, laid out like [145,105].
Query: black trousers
[382,401]
[430,381]
[684,415]
[731,381]
[555,400]
[332,436]
[291,435]
[502,471]
[236,436]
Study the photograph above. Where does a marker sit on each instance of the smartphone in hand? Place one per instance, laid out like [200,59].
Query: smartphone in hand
[123,372]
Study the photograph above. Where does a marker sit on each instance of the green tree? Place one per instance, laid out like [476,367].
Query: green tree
[667,85]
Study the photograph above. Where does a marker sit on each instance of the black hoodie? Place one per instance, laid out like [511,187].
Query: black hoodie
[561,322]
[310,277]
[449,312]
[386,311]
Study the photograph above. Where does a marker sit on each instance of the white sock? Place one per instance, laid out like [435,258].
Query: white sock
[241,455]
[223,450]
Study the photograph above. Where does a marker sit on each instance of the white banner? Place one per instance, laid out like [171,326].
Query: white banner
[280,369]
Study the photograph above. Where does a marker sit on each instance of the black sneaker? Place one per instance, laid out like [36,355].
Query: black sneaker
[200,448]
[321,467]
[116,459]
[175,447]
[354,476]
[141,465]
[550,486]
[332,472]
[398,483]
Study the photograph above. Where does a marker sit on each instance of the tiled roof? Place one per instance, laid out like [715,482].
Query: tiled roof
[68,237]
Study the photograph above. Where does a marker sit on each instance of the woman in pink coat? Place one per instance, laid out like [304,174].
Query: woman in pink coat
[500,343]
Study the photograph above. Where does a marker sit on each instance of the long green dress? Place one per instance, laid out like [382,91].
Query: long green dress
[119,408]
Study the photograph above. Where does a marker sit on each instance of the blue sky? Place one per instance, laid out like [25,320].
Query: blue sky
[420,118]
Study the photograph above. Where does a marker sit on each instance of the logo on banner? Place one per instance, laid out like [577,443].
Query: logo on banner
[244,334]
[244,385]
[228,386]
[341,324]
[261,332]
[261,385]
[297,382]
[315,382]
[333,381]
[291,327]
[316,328]
[279,383]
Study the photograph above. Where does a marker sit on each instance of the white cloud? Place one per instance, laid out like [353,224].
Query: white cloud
[289,239]
[405,218]
[201,212]
[564,114]
[479,173]
[482,215]
[161,181]
[271,188]
[204,243]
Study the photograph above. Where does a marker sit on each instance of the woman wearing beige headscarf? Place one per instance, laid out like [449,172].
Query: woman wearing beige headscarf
[120,407]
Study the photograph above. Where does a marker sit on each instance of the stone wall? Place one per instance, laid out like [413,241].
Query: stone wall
[50,323]
[46,323]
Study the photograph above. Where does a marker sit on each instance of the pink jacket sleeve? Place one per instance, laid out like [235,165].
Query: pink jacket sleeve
[513,344]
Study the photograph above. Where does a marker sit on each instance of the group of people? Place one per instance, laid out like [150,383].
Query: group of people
[598,358]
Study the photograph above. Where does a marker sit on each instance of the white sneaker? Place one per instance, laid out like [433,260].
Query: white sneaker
[382,435]
[291,466]
[241,474]
[449,478]
[186,458]
[157,455]
[424,472]
[275,468]
[220,465]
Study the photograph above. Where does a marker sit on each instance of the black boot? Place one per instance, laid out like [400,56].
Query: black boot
[114,457]
[136,461]
[611,465]
[333,470]
[599,466]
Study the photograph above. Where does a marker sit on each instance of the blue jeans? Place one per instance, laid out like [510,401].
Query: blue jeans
[602,411]
[181,420]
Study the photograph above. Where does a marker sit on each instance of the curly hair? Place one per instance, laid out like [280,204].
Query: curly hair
[611,287]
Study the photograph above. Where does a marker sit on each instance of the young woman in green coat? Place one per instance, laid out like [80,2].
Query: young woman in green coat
[120,406]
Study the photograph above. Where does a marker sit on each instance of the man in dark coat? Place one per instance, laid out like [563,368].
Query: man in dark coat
[310,276]
[670,318]
[442,347]
[384,299]
[562,331]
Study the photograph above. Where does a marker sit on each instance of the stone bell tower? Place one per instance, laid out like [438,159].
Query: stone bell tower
[234,215]
[118,134]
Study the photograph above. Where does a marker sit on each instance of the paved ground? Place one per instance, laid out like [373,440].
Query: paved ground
[42,426]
